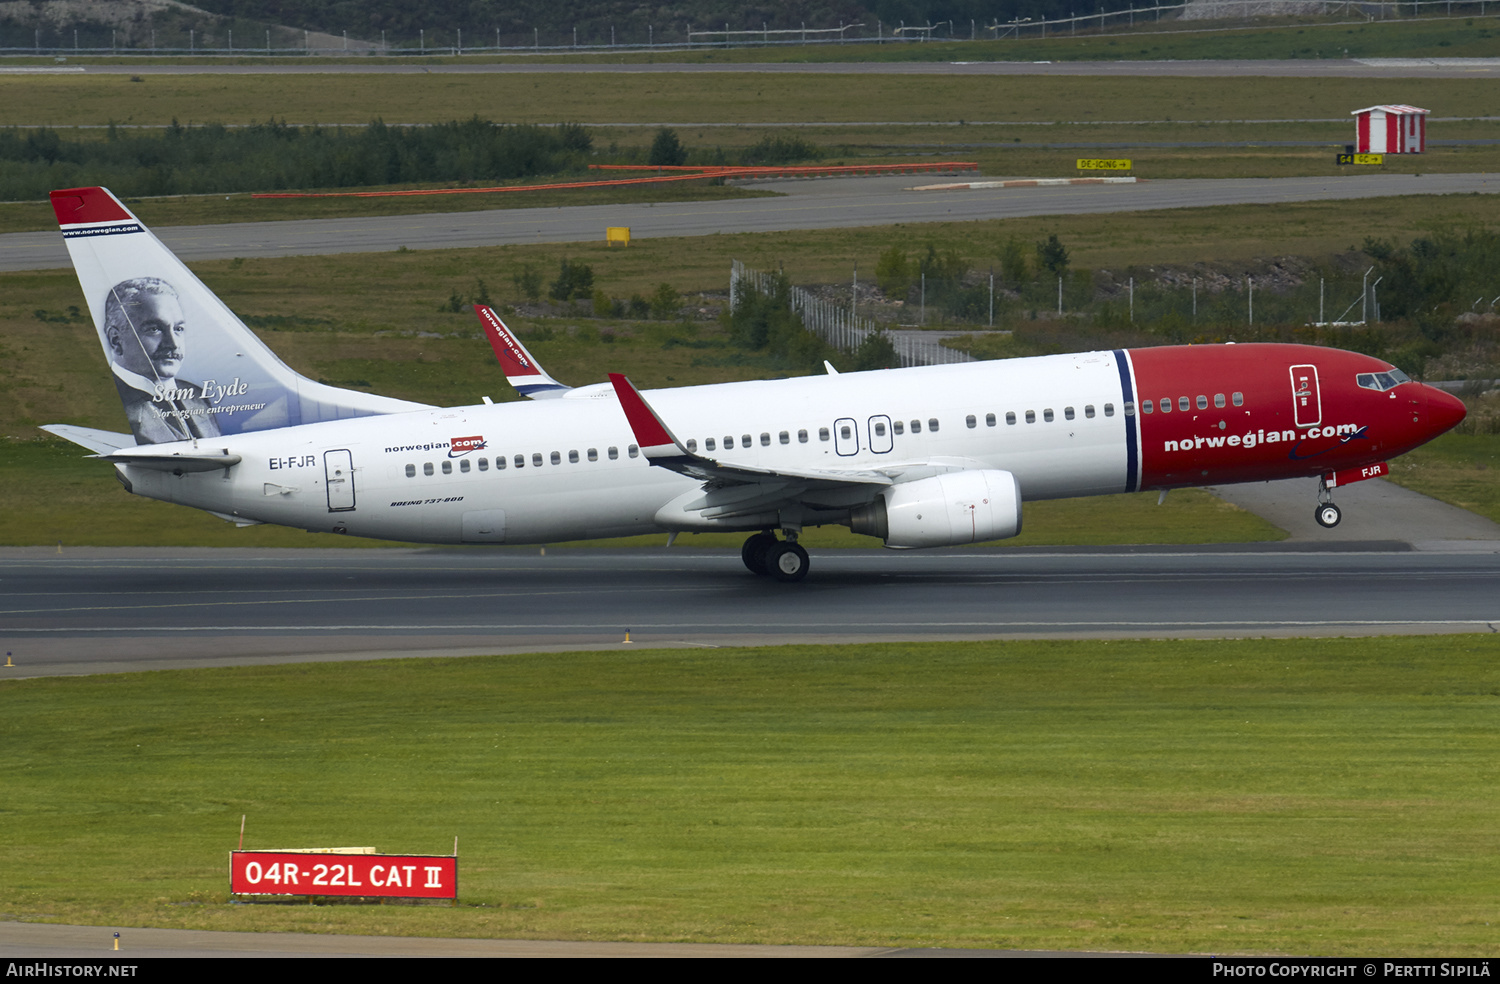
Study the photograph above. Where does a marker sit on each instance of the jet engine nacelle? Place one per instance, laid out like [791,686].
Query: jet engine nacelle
[958,507]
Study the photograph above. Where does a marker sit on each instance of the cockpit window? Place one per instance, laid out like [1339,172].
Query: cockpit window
[1382,381]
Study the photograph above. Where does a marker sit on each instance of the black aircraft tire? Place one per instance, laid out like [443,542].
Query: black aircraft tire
[753,553]
[1328,515]
[787,562]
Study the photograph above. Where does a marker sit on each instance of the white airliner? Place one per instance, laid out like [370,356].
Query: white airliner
[919,457]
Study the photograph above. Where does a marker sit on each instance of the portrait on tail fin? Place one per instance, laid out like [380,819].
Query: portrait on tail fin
[147,337]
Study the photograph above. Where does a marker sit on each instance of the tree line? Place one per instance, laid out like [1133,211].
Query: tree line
[272,156]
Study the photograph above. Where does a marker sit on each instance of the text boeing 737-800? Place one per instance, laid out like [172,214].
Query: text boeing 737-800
[919,457]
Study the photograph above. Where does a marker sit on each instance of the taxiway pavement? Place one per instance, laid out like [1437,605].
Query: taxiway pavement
[810,204]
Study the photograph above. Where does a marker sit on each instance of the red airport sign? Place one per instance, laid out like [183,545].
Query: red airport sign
[402,876]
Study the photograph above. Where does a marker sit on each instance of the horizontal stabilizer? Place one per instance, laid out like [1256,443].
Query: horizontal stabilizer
[164,459]
[97,441]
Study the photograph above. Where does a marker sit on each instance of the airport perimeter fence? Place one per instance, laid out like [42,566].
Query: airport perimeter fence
[93,39]
[838,326]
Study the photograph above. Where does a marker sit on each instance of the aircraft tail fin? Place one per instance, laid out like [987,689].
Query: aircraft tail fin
[185,366]
[522,370]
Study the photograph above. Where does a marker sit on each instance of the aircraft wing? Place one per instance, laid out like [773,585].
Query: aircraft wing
[662,448]
[522,370]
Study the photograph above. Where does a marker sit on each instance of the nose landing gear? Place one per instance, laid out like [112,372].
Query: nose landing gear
[1327,514]
[784,560]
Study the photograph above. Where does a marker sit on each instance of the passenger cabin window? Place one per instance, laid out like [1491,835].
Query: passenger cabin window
[520,461]
[1182,403]
[916,427]
[411,471]
[573,457]
[1166,406]
[971,421]
[932,424]
[500,463]
[745,440]
[1239,399]
[802,436]
[556,458]
[593,454]
[728,442]
[614,454]
[536,460]
[1047,415]
[1088,410]
[765,439]
[784,437]
[845,432]
[822,433]
[484,464]
[692,444]
[633,450]
[1148,406]
[447,468]
[1219,400]
[880,428]
[1031,416]
[463,466]
[426,468]
[1067,413]
[898,427]
[1010,416]
[989,420]
[1202,403]
[709,445]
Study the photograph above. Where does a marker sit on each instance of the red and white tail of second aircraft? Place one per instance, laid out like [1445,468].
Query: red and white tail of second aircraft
[918,457]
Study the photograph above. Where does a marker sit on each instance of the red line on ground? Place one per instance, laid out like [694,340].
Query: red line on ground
[678,174]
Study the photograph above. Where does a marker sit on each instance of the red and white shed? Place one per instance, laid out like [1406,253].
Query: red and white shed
[1391,130]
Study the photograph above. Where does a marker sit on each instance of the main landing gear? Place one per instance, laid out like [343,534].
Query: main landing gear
[784,560]
[1327,514]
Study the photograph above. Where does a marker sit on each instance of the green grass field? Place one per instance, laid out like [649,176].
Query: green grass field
[1302,37]
[1457,468]
[683,98]
[1328,797]
[1010,126]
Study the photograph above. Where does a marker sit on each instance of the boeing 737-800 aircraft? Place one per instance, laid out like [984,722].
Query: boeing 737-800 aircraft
[919,457]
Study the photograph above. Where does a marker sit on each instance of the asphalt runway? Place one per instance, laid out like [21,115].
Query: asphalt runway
[806,204]
[1382,68]
[103,611]
[46,941]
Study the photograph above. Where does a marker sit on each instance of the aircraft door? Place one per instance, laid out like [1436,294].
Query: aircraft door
[880,434]
[1307,405]
[338,474]
[846,436]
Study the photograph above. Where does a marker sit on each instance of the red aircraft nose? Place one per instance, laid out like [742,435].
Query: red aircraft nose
[1444,410]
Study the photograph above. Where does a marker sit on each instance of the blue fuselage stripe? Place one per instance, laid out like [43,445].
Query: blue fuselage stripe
[1132,453]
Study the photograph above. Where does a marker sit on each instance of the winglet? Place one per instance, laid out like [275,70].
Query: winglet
[521,369]
[651,434]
